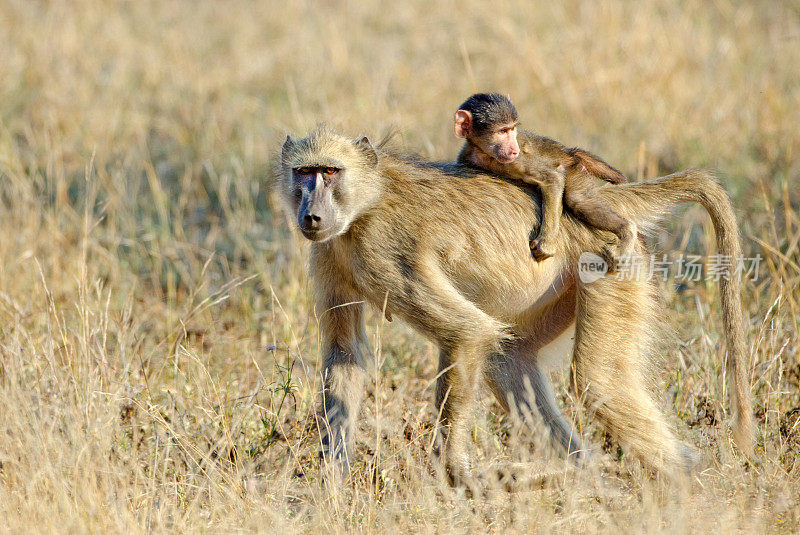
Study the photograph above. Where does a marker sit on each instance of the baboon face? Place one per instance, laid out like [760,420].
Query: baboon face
[489,122]
[325,182]
[316,214]
[502,142]
[497,140]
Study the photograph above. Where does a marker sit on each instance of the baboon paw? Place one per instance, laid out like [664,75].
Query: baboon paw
[456,470]
[463,478]
[335,472]
[335,461]
[541,250]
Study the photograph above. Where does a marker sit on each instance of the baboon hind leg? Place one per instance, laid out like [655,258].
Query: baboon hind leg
[524,388]
[589,209]
[609,371]
[455,393]
[464,334]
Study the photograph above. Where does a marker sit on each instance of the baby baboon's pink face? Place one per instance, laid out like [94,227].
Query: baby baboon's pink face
[503,144]
[497,141]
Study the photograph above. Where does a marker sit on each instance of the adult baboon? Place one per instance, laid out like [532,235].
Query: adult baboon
[449,254]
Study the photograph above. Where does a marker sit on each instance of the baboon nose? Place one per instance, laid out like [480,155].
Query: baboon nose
[311,222]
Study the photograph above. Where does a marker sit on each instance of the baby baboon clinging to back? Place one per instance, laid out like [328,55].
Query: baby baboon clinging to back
[424,245]
[488,122]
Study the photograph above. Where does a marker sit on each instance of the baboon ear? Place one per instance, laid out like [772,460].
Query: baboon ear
[287,145]
[463,124]
[366,148]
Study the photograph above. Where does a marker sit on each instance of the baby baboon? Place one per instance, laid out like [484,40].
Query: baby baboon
[488,121]
[428,247]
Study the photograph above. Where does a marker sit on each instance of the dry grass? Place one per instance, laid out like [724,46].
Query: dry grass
[144,267]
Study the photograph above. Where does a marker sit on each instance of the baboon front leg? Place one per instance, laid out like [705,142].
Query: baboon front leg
[551,183]
[609,365]
[591,210]
[524,388]
[343,380]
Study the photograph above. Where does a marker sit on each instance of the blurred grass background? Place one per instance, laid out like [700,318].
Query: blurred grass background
[145,265]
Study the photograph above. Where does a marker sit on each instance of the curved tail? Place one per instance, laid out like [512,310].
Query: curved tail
[646,203]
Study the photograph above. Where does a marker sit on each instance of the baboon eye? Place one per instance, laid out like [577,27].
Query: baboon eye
[330,170]
[304,170]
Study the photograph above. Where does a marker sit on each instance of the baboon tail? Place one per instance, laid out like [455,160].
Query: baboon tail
[646,203]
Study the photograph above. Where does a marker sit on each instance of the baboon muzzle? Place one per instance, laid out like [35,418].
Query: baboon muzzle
[313,207]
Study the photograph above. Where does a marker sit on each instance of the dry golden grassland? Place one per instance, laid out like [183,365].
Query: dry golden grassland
[146,267]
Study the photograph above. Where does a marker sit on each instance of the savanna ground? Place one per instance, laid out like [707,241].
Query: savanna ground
[145,265]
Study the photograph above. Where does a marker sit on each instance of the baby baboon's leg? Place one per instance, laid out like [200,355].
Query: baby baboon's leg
[551,183]
[609,366]
[580,198]
[514,379]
